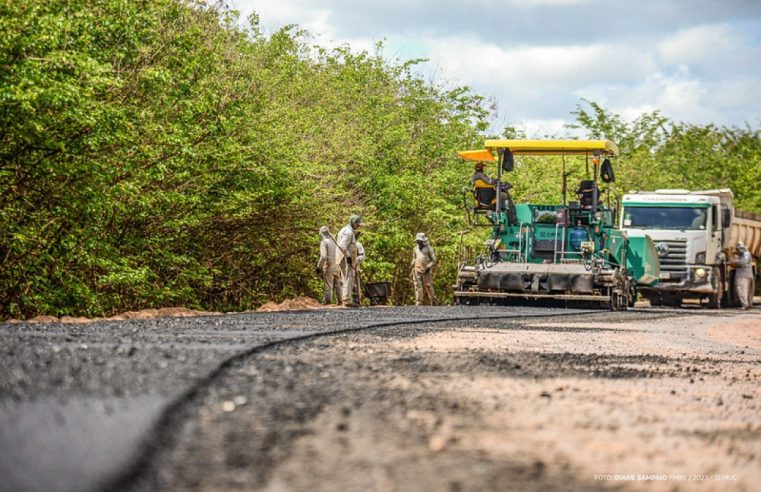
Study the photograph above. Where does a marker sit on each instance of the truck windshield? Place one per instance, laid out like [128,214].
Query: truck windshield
[665,217]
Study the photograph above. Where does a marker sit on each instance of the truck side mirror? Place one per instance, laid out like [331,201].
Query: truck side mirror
[726,217]
[507,160]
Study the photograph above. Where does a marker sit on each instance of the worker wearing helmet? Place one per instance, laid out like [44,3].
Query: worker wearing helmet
[743,275]
[346,256]
[479,174]
[328,268]
[423,260]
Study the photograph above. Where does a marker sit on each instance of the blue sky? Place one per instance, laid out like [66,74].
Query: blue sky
[697,61]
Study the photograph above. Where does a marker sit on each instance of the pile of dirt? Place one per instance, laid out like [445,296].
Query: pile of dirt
[297,304]
[168,312]
[175,312]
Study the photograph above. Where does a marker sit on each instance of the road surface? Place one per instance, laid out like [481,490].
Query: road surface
[444,398]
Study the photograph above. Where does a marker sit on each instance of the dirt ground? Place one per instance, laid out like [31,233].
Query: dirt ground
[297,304]
[607,401]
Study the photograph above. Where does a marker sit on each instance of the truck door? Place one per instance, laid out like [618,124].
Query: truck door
[716,235]
[726,224]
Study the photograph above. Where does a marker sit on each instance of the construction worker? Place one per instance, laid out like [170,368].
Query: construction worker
[478,174]
[423,260]
[743,275]
[347,258]
[328,268]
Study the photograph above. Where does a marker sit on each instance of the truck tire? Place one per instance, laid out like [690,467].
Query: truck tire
[730,294]
[716,300]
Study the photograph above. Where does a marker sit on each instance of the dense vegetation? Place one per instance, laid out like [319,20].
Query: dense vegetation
[156,153]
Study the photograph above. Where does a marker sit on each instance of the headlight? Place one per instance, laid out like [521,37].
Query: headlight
[700,272]
[700,258]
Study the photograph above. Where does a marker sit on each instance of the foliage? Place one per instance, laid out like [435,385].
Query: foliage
[655,152]
[659,153]
[157,153]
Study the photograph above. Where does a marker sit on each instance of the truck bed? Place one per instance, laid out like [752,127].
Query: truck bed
[746,227]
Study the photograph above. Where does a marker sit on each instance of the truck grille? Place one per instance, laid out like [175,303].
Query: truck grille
[675,260]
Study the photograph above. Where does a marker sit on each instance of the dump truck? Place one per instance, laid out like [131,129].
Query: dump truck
[567,251]
[695,233]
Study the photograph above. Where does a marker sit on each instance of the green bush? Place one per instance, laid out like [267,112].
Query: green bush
[156,153]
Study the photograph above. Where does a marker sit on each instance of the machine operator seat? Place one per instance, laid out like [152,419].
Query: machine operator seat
[586,193]
[484,195]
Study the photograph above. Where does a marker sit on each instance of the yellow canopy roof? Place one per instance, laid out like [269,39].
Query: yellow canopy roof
[477,155]
[554,147]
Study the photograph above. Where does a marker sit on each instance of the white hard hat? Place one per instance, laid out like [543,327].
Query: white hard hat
[324,231]
[740,245]
[420,236]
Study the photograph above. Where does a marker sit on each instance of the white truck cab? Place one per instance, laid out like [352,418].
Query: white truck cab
[691,231]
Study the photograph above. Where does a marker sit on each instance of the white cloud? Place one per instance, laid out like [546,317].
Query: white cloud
[677,97]
[564,66]
[274,15]
[538,58]
[737,94]
[698,44]
[527,3]
[544,128]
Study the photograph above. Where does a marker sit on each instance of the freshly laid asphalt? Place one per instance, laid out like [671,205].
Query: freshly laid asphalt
[78,401]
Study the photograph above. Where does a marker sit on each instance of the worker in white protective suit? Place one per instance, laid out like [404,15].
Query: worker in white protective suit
[328,268]
[360,260]
[346,256]
[743,275]
[423,260]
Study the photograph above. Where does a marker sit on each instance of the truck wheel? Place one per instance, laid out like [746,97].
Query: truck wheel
[715,299]
[730,296]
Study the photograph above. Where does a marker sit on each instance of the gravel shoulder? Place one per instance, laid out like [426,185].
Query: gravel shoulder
[625,401]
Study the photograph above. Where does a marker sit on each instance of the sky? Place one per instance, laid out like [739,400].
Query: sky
[697,61]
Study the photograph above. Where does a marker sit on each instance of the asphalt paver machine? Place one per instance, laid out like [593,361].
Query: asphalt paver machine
[571,251]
